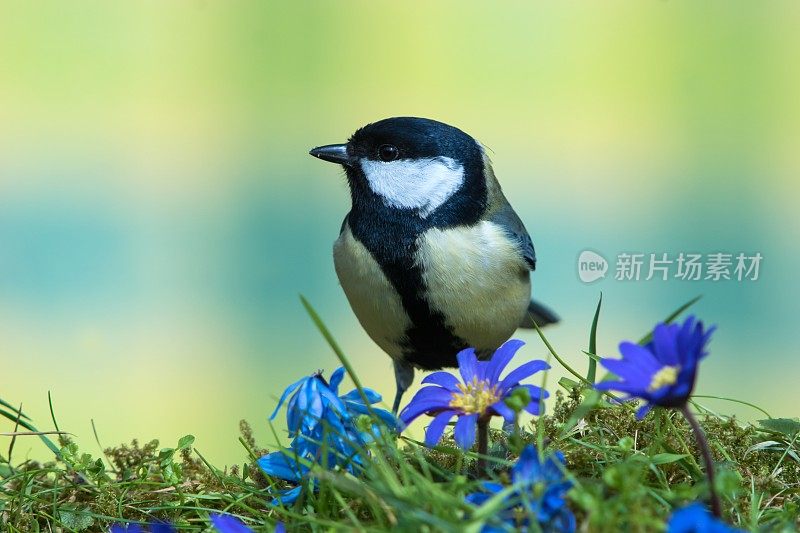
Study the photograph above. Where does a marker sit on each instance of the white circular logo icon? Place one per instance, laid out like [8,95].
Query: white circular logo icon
[591,266]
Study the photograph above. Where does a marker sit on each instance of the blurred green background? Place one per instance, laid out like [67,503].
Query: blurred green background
[159,214]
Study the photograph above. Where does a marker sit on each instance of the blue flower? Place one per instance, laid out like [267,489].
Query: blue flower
[225,523]
[320,421]
[314,397]
[539,490]
[288,465]
[695,518]
[662,372]
[481,394]
[311,399]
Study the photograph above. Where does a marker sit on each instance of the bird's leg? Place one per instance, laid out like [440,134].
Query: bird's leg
[403,376]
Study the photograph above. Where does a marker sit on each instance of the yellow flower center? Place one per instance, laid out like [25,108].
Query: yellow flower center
[475,396]
[666,376]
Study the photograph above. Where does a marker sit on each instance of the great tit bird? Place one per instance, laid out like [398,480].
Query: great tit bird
[432,257]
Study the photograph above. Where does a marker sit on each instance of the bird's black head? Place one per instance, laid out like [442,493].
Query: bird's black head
[413,167]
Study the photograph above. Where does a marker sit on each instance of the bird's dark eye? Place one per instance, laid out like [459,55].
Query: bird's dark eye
[387,152]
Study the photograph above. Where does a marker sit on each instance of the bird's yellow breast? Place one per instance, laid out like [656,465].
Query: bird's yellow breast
[477,279]
[374,300]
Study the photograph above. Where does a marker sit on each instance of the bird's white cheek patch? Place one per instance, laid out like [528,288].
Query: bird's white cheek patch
[422,184]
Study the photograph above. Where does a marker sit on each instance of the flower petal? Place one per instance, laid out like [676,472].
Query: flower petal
[489,489]
[129,528]
[290,389]
[427,399]
[476,498]
[355,396]
[695,517]
[631,388]
[464,432]
[537,393]
[534,408]
[502,356]
[523,371]
[288,497]
[527,469]
[492,487]
[385,416]
[225,523]
[665,342]
[433,433]
[643,410]
[628,372]
[467,364]
[281,465]
[639,356]
[443,379]
[503,410]
[336,379]
[161,527]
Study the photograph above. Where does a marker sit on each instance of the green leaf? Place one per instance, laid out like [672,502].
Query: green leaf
[568,384]
[664,458]
[75,520]
[518,399]
[185,442]
[787,426]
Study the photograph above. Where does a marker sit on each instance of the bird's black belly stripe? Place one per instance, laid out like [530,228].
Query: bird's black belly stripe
[391,237]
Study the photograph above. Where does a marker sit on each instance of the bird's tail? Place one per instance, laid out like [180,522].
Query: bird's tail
[540,314]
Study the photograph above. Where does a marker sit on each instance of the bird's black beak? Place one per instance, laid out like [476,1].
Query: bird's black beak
[335,153]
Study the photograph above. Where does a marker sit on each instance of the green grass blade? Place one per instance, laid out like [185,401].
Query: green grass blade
[592,373]
[647,338]
[52,412]
[741,402]
[14,409]
[558,357]
[30,427]
[337,350]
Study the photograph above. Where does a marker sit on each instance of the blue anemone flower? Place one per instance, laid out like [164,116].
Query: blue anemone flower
[314,398]
[695,518]
[539,490]
[481,394]
[323,429]
[663,372]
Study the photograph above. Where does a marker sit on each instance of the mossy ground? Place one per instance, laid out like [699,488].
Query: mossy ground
[628,475]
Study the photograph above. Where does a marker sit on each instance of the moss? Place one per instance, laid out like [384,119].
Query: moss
[628,475]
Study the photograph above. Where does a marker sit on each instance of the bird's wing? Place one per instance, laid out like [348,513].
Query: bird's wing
[507,218]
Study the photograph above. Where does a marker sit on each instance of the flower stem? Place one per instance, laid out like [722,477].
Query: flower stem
[483,444]
[702,443]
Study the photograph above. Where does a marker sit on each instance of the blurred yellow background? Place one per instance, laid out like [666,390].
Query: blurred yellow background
[159,214]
